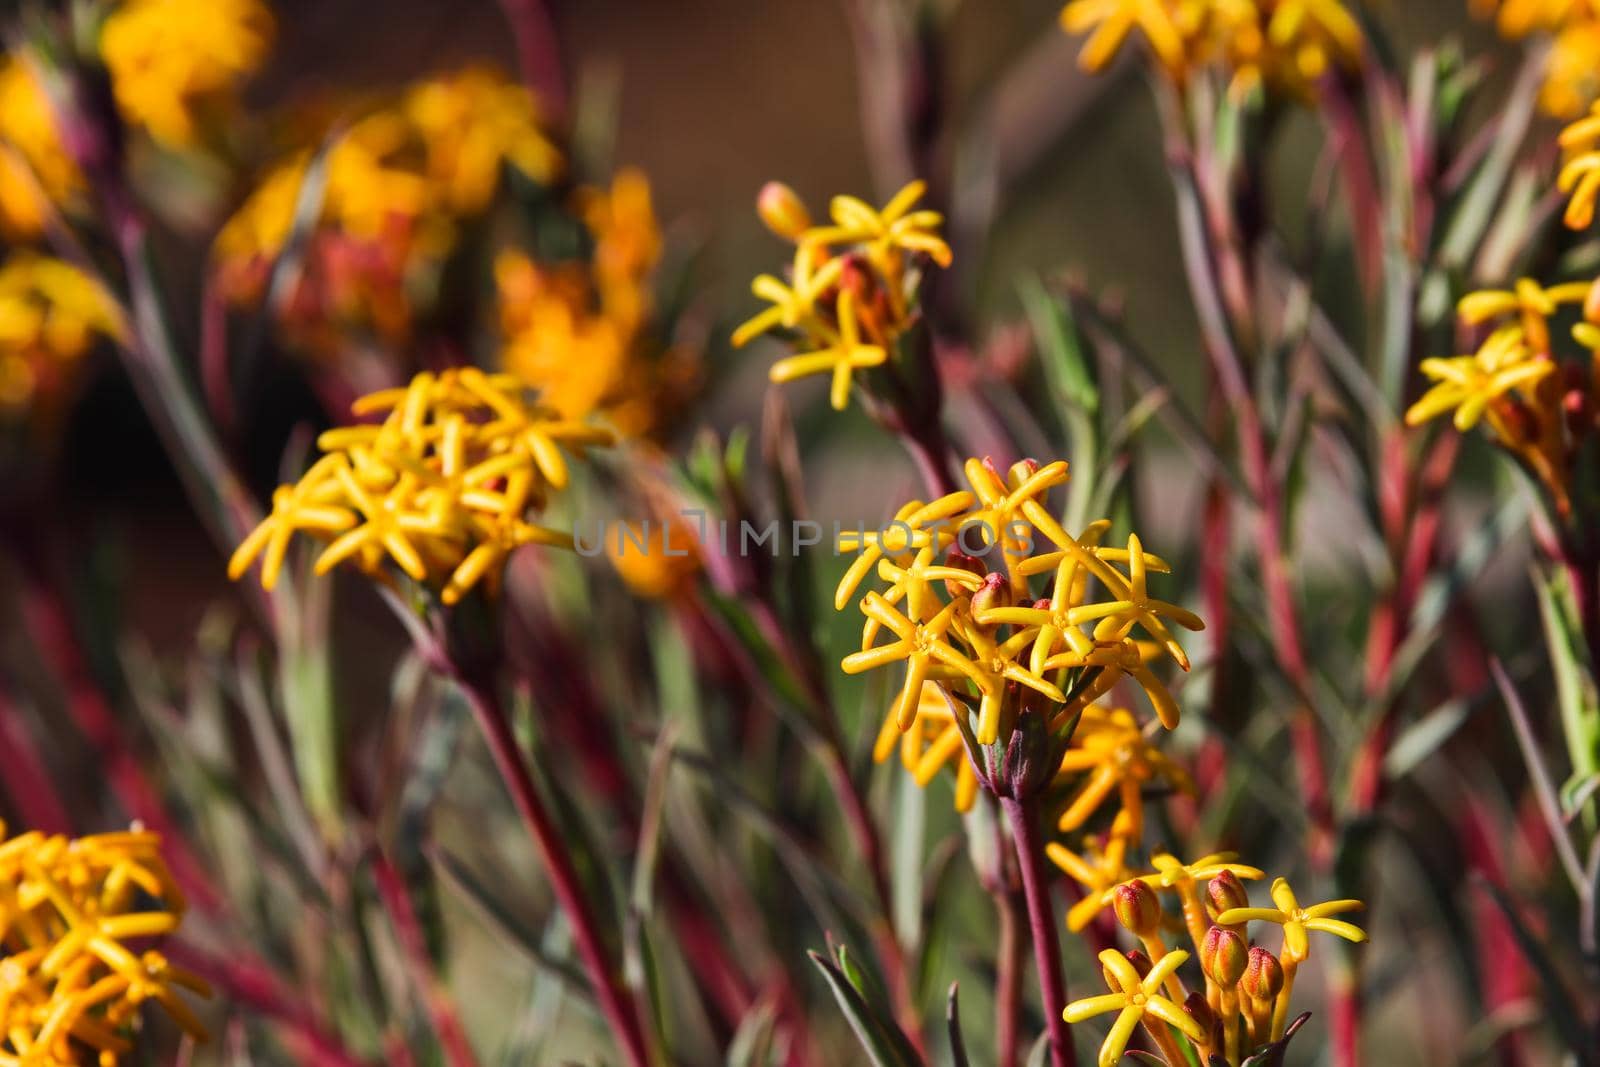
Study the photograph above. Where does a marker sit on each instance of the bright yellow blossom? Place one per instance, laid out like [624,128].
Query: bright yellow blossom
[168,58]
[1580,176]
[844,356]
[50,313]
[71,985]
[1111,750]
[442,487]
[1133,997]
[35,170]
[1470,384]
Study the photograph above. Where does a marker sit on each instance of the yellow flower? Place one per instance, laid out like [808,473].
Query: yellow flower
[168,57]
[1296,921]
[1133,998]
[656,559]
[442,487]
[1101,865]
[930,743]
[841,359]
[470,123]
[1287,44]
[50,313]
[1111,747]
[35,170]
[1580,176]
[954,622]
[69,980]
[852,289]
[1471,384]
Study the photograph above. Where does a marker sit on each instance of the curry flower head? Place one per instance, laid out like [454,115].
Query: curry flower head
[81,918]
[442,488]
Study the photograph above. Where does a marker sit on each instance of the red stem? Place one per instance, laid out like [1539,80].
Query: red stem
[1042,924]
[1012,909]
[408,930]
[615,1002]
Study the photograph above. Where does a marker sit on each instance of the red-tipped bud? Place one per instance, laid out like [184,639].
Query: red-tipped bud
[1197,1009]
[1223,956]
[1137,908]
[1225,891]
[962,562]
[1022,470]
[782,210]
[994,593]
[1263,975]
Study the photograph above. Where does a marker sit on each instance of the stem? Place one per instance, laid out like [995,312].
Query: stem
[408,930]
[1280,1010]
[1008,973]
[615,1003]
[1042,922]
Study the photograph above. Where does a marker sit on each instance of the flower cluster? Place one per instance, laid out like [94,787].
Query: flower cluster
[50,313]
[35,170]
[1247,989]
[171,60]
[960,612]
[1285,44]
[388,199]
[1540,409]
[580,331]
[1572,72]
[74,974]
[443,487]
[852,287]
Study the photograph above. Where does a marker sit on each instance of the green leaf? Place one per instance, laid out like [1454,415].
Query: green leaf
[1056,335]
[1575,687]
[870,1029]
[752,1042]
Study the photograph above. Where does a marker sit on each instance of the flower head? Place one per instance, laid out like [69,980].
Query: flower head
[35,169]
[442,488]
[852,285]
[73,975]
[50,313]
[168,58]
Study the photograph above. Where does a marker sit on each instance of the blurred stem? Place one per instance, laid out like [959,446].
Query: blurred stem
[618,1007]
[538,55]
[413,942]
[1012,908]
[1023,817]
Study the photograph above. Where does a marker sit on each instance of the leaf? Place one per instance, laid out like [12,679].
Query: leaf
[1564,1015]
[1061,352]
[1272,1055]
[1575,688]
[870,1030]
[1425,737]
[752,1041]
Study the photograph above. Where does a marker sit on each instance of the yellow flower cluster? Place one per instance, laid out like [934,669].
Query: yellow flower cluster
[1572,72]
[1579,179]
[394,188]
[960,613]
[169,59]
[1247,989]
[852,287]
[1284,44]
[579,331]
[443,486]
[35,170]
[1539,408]
[50,313]
[74,976]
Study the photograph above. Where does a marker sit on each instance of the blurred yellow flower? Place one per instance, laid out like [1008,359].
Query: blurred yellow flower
[1113,754]
[1285,44]
[1471,384]
[657,559]
[1099,866]
[35,170]
[73,986]
[470,124]
[50,313]
[1572,70]
[169,58]
[844,355]
[442,487]
[929,743]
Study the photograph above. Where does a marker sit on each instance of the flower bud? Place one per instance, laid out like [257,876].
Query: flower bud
[1197,1009]
[1263,975]
[1225,891]
[1141,965]
[782,211]
[1223,956]
[1137,908]
[994,593]
[962,562]
[1021,471]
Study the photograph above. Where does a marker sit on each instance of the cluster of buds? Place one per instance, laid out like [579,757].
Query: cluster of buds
[1241,1003]
[74,976]
[1540,408]
[961,613]
[852,287]
[442,488]
[1283,44]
